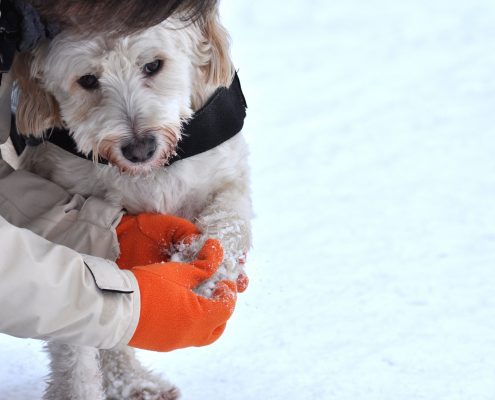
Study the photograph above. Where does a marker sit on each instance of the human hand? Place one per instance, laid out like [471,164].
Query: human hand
[172,315]
[148,238]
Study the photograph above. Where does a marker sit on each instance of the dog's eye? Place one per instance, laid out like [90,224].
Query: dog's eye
[152,68]
[89,82]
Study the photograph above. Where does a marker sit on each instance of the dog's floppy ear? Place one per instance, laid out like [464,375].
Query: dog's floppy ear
[219,69]
[37,110]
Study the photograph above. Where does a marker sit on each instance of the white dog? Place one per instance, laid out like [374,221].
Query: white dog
[126,99]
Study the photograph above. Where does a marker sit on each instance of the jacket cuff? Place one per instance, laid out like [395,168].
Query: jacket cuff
[110,278]
[136,311]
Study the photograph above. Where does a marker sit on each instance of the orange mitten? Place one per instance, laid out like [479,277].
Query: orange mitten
[172,315]
[147,238]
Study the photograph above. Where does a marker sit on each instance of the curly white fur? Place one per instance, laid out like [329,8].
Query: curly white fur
[211,189]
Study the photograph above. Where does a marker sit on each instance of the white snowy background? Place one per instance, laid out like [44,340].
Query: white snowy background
[371,126]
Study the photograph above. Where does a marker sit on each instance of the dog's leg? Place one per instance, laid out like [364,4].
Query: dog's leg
[75,373]
[227,218]
[125,378]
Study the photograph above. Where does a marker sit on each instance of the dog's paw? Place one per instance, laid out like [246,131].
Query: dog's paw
[186,252]
[153,394]
[126,379]
[142,389]
[230,269]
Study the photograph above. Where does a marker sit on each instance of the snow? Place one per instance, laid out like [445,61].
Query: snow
[373,171]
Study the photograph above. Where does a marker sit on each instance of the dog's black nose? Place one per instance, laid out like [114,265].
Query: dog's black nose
[140,149]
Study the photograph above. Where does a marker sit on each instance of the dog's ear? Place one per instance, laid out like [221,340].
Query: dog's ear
[219,70]
[37,110]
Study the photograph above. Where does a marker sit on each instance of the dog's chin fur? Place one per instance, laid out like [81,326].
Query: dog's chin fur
[210,189]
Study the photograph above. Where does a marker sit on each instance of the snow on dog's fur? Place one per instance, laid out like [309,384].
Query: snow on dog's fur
[126,99]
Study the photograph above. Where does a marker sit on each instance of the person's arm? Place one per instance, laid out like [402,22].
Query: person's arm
[47,291]
[50,292]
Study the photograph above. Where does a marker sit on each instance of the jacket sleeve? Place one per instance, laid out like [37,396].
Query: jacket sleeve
[48,290]
[41,206]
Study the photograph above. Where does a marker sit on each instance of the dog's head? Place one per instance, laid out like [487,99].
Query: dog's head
[124,98]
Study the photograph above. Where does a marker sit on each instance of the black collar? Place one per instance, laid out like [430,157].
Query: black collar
[220,119]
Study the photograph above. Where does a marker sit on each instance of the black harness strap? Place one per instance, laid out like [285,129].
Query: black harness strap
[220,119]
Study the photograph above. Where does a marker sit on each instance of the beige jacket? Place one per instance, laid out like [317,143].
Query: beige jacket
[49,291]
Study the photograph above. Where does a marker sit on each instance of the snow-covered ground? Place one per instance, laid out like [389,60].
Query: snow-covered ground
[371,125]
